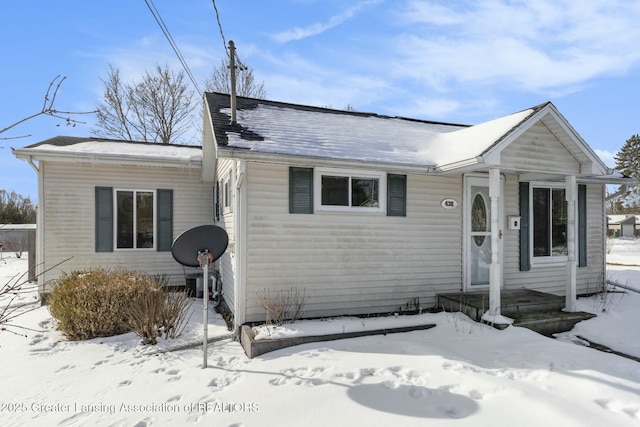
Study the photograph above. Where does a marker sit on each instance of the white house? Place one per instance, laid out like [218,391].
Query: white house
[365,213]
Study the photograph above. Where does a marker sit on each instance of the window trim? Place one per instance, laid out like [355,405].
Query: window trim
[115,219]
[550,260]
[318,173]
[227,194]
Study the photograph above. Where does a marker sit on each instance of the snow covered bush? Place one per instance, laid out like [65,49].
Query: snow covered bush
[96,302]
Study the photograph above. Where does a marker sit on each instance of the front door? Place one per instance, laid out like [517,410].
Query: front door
[477,232]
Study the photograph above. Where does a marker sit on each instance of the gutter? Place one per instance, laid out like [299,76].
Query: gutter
[194,161]
[297,160]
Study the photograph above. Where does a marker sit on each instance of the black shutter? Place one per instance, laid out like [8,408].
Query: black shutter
[396,195]
[104,219]
[582,225]
[525,256]
[216,201]
[300,190]
[164,221]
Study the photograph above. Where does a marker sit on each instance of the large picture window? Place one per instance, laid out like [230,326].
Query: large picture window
[549,220]
[343,191]
[135,219]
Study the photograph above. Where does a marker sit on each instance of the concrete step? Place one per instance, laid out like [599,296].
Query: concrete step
[549,323]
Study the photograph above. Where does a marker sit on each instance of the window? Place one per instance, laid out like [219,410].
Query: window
[125,224]
[135,219]
[549,223]
[226,195]
[549,220]
[344,191]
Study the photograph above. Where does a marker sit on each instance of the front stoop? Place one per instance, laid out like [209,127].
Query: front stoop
[530,309]
[551,323]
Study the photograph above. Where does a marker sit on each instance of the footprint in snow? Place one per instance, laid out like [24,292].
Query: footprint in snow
[144,423]
[174,375]
[65,367]
[618,406]
[74,420]
[37,339]
[125,383]
[221,383]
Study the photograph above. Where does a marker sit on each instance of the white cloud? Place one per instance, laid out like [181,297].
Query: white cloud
[320,27]
[607,157]
[535,46]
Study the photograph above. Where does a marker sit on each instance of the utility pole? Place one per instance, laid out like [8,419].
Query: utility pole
[232,68]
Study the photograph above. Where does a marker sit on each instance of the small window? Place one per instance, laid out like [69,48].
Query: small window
[226,195]
[549,220]
[479,218]
[342,191]
[135,219]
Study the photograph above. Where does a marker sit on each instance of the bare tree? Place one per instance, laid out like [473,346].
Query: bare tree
[156,109]
[49,109]
[220,81]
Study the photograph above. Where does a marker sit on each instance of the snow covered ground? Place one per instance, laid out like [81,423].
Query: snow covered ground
[458,373]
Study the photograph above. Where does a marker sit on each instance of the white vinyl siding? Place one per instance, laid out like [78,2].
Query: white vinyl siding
[349,263]
[539,150]
[68,205]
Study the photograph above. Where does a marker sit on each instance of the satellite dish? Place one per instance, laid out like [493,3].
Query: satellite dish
[206,242]
[186,246]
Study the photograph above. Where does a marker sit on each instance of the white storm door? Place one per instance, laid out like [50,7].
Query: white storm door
[479,235]
[477,231]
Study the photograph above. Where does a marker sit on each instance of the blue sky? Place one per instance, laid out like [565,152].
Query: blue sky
[460,62]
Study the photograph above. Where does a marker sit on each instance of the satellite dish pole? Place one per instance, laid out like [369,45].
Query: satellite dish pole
[205,259]
[200,247]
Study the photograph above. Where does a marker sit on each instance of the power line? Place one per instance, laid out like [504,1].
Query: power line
[224,41]
[174,46]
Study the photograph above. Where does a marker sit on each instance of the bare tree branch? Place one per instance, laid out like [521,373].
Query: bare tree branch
[246,85]
[48,109]
[157,108]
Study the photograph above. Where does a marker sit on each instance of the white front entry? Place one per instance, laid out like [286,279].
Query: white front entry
[477,235]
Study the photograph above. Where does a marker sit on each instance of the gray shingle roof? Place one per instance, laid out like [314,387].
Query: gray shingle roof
[289,129]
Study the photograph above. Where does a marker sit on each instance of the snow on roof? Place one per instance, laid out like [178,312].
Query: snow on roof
[104,148]
[617,219]
[337,136]
[471,141]
[15,227]
[278,128]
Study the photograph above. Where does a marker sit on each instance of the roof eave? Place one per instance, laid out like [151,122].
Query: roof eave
[467,165]
[301,160]
[34,154]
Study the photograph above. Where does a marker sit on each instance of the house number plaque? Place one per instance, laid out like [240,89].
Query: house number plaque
[449,203]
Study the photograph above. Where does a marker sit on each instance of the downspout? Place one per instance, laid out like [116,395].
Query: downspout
[33,165]
[240,235]
[40,266]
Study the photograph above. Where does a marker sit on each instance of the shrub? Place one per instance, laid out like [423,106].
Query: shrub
[144,313]
[173,316]
[96,302]
[282,306]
